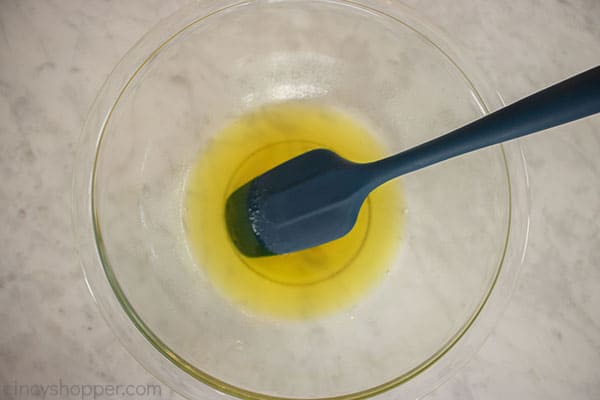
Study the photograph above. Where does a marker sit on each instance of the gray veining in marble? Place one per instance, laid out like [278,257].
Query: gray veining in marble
[54,56]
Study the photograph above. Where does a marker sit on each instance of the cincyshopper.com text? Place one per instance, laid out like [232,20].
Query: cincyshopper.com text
[62,390]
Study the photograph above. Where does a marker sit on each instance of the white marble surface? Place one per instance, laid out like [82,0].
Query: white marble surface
[54,55]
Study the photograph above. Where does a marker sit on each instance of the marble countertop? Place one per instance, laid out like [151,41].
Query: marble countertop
[54,56]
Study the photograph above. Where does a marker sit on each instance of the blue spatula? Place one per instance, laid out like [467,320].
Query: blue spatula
[315,198]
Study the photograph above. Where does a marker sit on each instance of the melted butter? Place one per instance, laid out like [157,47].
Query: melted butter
[311,282]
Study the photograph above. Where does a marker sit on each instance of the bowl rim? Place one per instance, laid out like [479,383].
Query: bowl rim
[175,371]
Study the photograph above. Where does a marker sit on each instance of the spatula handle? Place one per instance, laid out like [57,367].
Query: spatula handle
[571,99]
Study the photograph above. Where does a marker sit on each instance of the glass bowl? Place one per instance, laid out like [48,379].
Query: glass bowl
[465,223]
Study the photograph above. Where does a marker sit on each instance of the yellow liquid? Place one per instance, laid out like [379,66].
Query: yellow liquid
[311,282]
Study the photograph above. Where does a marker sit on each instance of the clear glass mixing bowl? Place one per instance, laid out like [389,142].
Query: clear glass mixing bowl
[465,228]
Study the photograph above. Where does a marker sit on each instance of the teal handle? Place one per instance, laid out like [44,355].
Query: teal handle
[571,99]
